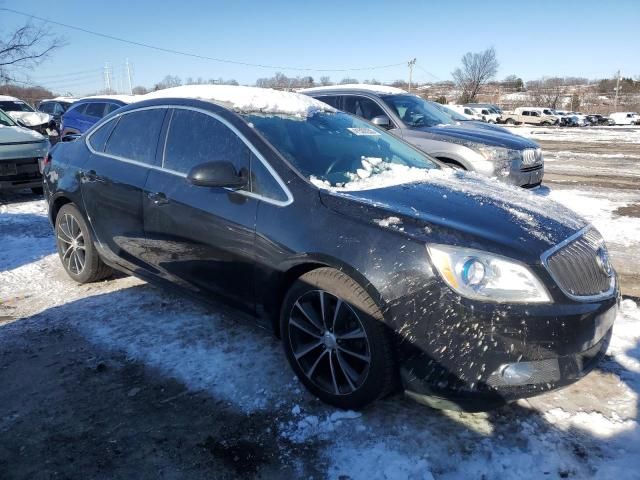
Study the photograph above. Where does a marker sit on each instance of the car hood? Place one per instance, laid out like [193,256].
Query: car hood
[19,135]
[31,119]
[487,126]
[459,208]
[473,134]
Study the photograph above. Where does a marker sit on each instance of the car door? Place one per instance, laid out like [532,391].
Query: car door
[201,237]
[123,151]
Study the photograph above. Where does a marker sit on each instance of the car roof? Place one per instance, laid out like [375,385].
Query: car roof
[8,98]
[355,87]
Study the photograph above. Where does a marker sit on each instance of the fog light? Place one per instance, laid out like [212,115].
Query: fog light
[517,373]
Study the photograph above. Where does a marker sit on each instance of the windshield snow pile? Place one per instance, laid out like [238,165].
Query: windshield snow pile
[247,99]
[376,173]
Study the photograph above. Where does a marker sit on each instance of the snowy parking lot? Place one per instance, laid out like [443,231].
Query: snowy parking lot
[120,379]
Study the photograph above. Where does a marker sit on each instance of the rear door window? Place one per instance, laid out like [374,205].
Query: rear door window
[333,100]
[99,138]
[135,137]
[46,108]
[111,107]
[95,110]
[362,107]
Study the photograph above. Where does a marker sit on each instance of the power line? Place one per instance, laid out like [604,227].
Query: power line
[195,55]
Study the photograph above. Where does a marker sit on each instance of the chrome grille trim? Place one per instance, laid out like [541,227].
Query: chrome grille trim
[579,260]
[531,156]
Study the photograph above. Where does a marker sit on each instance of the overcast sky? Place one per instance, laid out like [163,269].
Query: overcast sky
[532,39]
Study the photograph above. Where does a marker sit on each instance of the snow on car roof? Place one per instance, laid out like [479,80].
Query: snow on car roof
[122,98]
[8,98]
[247,99]
[60,99]
[384,89]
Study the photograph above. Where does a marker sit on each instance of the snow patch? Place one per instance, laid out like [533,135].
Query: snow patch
[247,99]
[382,89]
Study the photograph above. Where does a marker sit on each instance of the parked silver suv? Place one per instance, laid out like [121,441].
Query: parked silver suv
[510,158]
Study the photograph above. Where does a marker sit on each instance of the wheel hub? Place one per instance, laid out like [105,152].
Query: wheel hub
[329,340]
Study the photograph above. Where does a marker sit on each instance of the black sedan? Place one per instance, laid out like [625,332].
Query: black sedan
[378,268]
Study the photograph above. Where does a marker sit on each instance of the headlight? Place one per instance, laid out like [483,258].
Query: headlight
[502,158]
[484,276]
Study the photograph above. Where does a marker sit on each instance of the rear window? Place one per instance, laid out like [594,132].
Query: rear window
[135,137]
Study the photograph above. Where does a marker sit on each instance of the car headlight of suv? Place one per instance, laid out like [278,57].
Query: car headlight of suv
[485,276]
[501,158]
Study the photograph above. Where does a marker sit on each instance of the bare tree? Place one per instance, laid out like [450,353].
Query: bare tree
[167,82]
[348,80]
[477,69]
[324,81]
[139,90]
[546,92]
[25,47]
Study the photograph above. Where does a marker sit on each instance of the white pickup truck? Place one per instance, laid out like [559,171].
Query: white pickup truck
[530,115]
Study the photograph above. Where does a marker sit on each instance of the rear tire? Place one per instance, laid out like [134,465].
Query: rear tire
[336,341]
[76,249]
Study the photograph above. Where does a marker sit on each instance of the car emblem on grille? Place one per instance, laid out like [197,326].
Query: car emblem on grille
[602,257]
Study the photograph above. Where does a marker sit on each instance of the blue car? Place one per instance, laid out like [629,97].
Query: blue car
[84,113]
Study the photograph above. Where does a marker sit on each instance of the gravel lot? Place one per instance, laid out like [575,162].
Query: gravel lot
[120,379]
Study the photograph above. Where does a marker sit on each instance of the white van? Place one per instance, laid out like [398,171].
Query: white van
[466,111]
[625,118]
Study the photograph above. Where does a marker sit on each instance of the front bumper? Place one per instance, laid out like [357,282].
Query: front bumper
[455,354]
[526,177]
[20,173]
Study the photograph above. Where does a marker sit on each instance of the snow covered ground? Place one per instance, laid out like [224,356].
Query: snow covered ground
[625,134]
[589,430]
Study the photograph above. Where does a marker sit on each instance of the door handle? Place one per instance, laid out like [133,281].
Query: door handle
[158,198]
[89,176]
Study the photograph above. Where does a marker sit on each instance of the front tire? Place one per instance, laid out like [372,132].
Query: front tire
[76,249]
[336,341]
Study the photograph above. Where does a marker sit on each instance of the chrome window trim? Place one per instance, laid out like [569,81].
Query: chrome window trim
[578,298]
[274,174]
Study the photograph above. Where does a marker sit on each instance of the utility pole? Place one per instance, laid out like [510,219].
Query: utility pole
[129,76]
[411,64]
[615,101]
[107,78]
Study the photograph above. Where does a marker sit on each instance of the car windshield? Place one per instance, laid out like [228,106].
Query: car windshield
[455,116]
[15,106]
[416,112]
[5,120]
[336,148]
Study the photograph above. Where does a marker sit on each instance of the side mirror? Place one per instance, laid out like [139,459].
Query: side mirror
[382,121]
[217,174]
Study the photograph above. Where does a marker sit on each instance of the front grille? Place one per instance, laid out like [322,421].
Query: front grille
[19,170]
[581,267]
[531,156]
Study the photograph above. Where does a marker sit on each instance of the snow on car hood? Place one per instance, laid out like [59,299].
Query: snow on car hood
[247,99]
[18,135]
[31,119]
[442,206]
[472,134]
